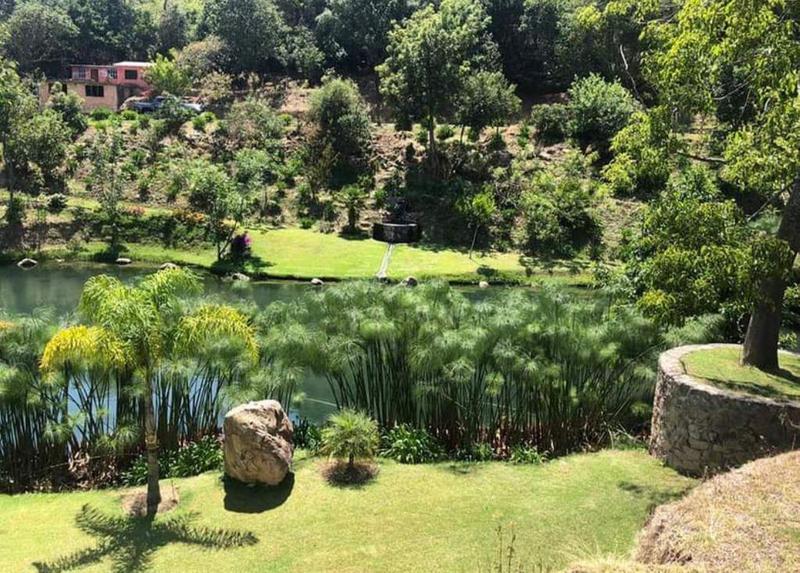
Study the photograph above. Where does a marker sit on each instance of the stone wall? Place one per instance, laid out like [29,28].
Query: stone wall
[698,428]
[396,232]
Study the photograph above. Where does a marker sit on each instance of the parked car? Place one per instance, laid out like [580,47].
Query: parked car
[153,105]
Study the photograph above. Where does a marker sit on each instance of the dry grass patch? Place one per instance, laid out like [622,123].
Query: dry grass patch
[747,521]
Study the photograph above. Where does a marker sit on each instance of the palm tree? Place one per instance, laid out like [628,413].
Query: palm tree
[351,435]
[132,332]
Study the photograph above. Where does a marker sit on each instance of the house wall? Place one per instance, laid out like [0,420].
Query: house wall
[109,100]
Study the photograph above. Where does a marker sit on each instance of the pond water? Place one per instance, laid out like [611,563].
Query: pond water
[59,286]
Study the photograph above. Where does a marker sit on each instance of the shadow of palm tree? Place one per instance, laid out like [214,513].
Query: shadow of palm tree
[129,542]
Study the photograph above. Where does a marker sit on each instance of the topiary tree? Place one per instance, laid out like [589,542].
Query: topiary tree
[352,436]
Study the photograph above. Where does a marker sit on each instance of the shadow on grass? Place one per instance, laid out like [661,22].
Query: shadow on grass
[130,542]
[252,264]
[358,235]
[765,391]
[653,496]
[462,468]
[243,498]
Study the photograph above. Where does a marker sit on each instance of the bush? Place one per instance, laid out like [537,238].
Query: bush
[409,445]
[307,436]
[477,452]
[251,123]
[599,110]
[558,216]
[522,454]
[241,247]
[201,121]
[552,122]
[189,460]
[173,114]
[56,202]
[444,131]
[129,115]
[101,114]
[350,436]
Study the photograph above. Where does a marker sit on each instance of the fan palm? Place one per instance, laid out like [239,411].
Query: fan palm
[132,332]
[350,435]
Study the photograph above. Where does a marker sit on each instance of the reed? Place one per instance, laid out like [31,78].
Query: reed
[539,369]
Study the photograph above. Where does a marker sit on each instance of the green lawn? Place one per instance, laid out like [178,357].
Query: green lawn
[413,518]
[424,261]
[721,367]
[305,254]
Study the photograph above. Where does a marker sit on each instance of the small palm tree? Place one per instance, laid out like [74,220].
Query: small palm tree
[132,332]
[351,435]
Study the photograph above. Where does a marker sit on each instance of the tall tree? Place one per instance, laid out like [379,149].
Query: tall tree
[430,56]
[111,30]
[359,29]
[39,37]
[713,52]
[253,31]
[17,105]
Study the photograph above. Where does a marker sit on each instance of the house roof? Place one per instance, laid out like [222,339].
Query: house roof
[133,64]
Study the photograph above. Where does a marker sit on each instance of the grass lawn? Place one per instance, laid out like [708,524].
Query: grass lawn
[426,262]
[305,254]
[721,367]
[413,518]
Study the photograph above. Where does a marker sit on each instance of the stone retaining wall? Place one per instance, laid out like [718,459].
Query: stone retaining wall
[698,428]
[396,232]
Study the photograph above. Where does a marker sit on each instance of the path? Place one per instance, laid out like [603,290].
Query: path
[387,258]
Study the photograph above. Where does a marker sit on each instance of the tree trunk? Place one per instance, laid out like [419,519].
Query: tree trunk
[151,443]
[761,341]
[432,152]
[474,238]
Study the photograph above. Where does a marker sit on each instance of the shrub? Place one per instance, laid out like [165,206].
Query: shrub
[251,123]
[240,248]
[189,460]
[101,114]
[350,436]
[444,131]
[476,452]
[409,445]
[599,110]
[558,216]
[642,157]
[522,454]
[552,122]
[129,115]
[173,114]
[201,121]
[56,202]
[307,436]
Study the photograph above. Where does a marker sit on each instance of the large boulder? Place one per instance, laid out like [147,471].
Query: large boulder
[258,443]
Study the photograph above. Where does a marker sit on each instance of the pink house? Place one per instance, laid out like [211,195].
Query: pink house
[105,86]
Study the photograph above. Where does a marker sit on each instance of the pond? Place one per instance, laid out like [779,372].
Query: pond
[59,286]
